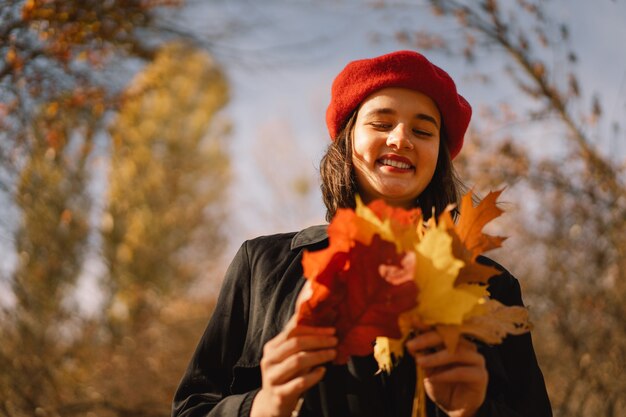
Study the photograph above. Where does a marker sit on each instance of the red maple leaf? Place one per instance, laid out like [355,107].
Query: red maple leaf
[361,292]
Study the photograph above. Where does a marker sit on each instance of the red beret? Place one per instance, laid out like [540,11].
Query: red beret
[405,69]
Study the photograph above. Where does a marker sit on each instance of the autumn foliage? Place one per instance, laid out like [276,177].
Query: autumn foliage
[356,290]
[385,269]
[89,87]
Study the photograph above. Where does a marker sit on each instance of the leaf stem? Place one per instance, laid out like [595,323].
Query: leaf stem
[419,399]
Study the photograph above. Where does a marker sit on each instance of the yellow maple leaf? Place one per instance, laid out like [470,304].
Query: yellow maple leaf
[388,352]
[436,270]
[373,223]
[439,301]
[452,292]
[453,295]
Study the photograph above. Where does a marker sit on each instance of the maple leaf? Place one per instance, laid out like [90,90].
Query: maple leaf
[397,215]
[387,352]
[472,221]
[385,269]
[439,300]
[393,224]
[404,224]
[322,267]
[452,285]
[452,290]
[347,228]
[325,292]
[361,292]
[435,275]
[490,322]
[468,239]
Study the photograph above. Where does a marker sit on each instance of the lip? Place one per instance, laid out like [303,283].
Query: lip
[397,159]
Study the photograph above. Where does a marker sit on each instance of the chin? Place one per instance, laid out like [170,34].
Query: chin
[398,195]
[400,200]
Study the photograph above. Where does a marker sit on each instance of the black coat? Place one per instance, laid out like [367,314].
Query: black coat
[258,297]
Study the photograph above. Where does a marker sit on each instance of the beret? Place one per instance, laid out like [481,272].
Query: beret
[403,69]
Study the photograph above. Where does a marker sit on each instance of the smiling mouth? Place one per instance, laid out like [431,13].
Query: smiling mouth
[395,163]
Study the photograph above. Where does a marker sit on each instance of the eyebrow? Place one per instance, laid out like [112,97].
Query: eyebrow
[386,110]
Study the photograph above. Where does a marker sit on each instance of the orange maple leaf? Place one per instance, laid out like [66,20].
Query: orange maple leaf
[400,225]
[397,215]
[347,228]
[468,239]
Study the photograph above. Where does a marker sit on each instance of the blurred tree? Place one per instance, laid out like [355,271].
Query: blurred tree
[55,47]
[571,233]
[63,79]
[50,242]
[166,179]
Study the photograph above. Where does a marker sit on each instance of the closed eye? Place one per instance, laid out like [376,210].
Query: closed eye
[381,125]
[419,132]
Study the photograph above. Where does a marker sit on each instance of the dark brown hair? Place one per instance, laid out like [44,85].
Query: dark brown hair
[339,187]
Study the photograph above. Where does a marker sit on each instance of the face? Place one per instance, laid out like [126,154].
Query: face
[395,145]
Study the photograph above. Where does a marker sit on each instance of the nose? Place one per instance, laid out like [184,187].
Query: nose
[399,138]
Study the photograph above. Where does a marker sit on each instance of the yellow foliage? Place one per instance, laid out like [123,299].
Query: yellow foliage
[165,167]
[435,273]
[443,250]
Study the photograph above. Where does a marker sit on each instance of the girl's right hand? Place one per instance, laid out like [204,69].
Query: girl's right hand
[291,364]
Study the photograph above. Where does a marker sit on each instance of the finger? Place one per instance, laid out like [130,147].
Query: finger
[292,325]
[419,325]
[465,374]
[284,334]
[424,341]
[300,384]
[301,329]
[466,344]
[278,353]
[297,365]
[292,329]
[445,358]
[305,293]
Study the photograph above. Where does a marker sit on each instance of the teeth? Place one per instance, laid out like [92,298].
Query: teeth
[396,164]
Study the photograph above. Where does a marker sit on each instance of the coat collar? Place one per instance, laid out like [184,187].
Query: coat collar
[309,236]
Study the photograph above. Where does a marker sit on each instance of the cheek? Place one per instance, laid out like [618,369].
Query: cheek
[430,154]
[428,163]
[363,146]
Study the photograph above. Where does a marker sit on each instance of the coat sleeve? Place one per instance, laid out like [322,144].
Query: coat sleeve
[205,389]
[516,386]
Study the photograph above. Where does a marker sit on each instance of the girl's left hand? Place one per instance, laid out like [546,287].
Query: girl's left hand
[456,382]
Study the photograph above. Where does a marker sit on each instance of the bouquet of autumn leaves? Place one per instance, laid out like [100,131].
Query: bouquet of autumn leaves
[385,268]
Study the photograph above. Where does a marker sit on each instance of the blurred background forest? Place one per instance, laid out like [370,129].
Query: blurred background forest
[129,170]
